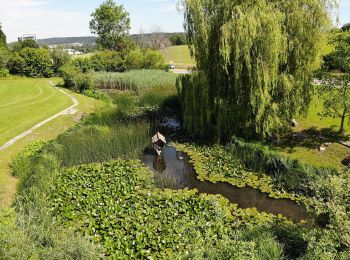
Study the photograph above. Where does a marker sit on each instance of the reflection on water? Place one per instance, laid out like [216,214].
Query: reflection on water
[174,169]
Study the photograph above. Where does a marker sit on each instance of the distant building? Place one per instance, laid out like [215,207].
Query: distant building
[27,37]
[73,52]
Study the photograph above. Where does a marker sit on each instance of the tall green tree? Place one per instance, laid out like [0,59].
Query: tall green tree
[336,95]
[339,59]
[29,43]
[256,59]
[5,54]
[2,37]
[112,24]
[345,27]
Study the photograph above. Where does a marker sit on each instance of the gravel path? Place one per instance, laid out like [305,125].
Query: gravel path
[68,111]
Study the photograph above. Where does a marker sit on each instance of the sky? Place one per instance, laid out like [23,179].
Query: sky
[63,18]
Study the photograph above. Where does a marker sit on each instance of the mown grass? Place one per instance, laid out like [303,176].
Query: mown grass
[47,132]
[317,130]
[179,55]
[26,102]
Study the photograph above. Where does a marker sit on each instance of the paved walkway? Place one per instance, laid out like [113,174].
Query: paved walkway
[68,111]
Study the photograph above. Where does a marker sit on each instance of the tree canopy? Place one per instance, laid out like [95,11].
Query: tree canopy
[111,23]
[28,43]
[345,27]
[31,62]
[336,95]
[255,60]
[2,37]
[339,59]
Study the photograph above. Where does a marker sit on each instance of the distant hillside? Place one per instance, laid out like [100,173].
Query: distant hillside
[85,40]
[88,40]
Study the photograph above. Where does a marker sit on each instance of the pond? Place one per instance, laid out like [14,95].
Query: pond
[173,170]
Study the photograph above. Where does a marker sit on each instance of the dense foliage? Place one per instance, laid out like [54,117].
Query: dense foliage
[31,62]
[144,59]
[5,54]
[323,191]
[28,43]
[255,59]
[141,222]
[335,92]
[112,24]
[178,39]
[2,37]
[339,59]
[59,58]
[75,79]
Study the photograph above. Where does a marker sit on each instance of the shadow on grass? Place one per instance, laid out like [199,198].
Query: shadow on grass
[311,138]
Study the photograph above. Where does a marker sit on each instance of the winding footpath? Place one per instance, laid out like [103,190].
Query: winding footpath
[68,111]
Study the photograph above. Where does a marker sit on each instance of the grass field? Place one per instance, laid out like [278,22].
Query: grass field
[47,132]
[26,102]
[179,55]
[315,126]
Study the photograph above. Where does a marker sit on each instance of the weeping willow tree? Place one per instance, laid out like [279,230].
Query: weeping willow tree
[255,60]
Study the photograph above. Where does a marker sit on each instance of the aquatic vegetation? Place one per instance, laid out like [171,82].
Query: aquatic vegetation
[134,80]
[216,164]
[120,209]
[21,160]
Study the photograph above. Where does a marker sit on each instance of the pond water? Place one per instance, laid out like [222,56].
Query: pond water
[173,170]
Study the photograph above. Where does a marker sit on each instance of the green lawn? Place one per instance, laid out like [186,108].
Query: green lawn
[306,150]
[47,132]
[313,119]
[26,102]
[179,55]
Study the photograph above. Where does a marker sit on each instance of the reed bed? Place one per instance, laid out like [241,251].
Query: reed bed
[135,80]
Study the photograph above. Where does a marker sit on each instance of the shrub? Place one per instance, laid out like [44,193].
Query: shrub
[75,79]
[110,61]
[4,73]
[59,59]
[97,95]
[83,64]
[5,56]
[133,60]
[146,59]
[31,62]
[153,60]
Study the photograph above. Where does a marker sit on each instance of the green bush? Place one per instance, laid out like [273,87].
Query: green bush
[31,62]
[75,79]
[5,56]
[144,59]
[97,95]
[110,61]
[4,73]
[59,59]
[82,64]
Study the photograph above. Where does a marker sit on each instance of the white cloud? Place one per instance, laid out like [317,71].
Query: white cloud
[20,17]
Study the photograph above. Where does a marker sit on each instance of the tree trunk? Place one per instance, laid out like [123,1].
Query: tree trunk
[341,131]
